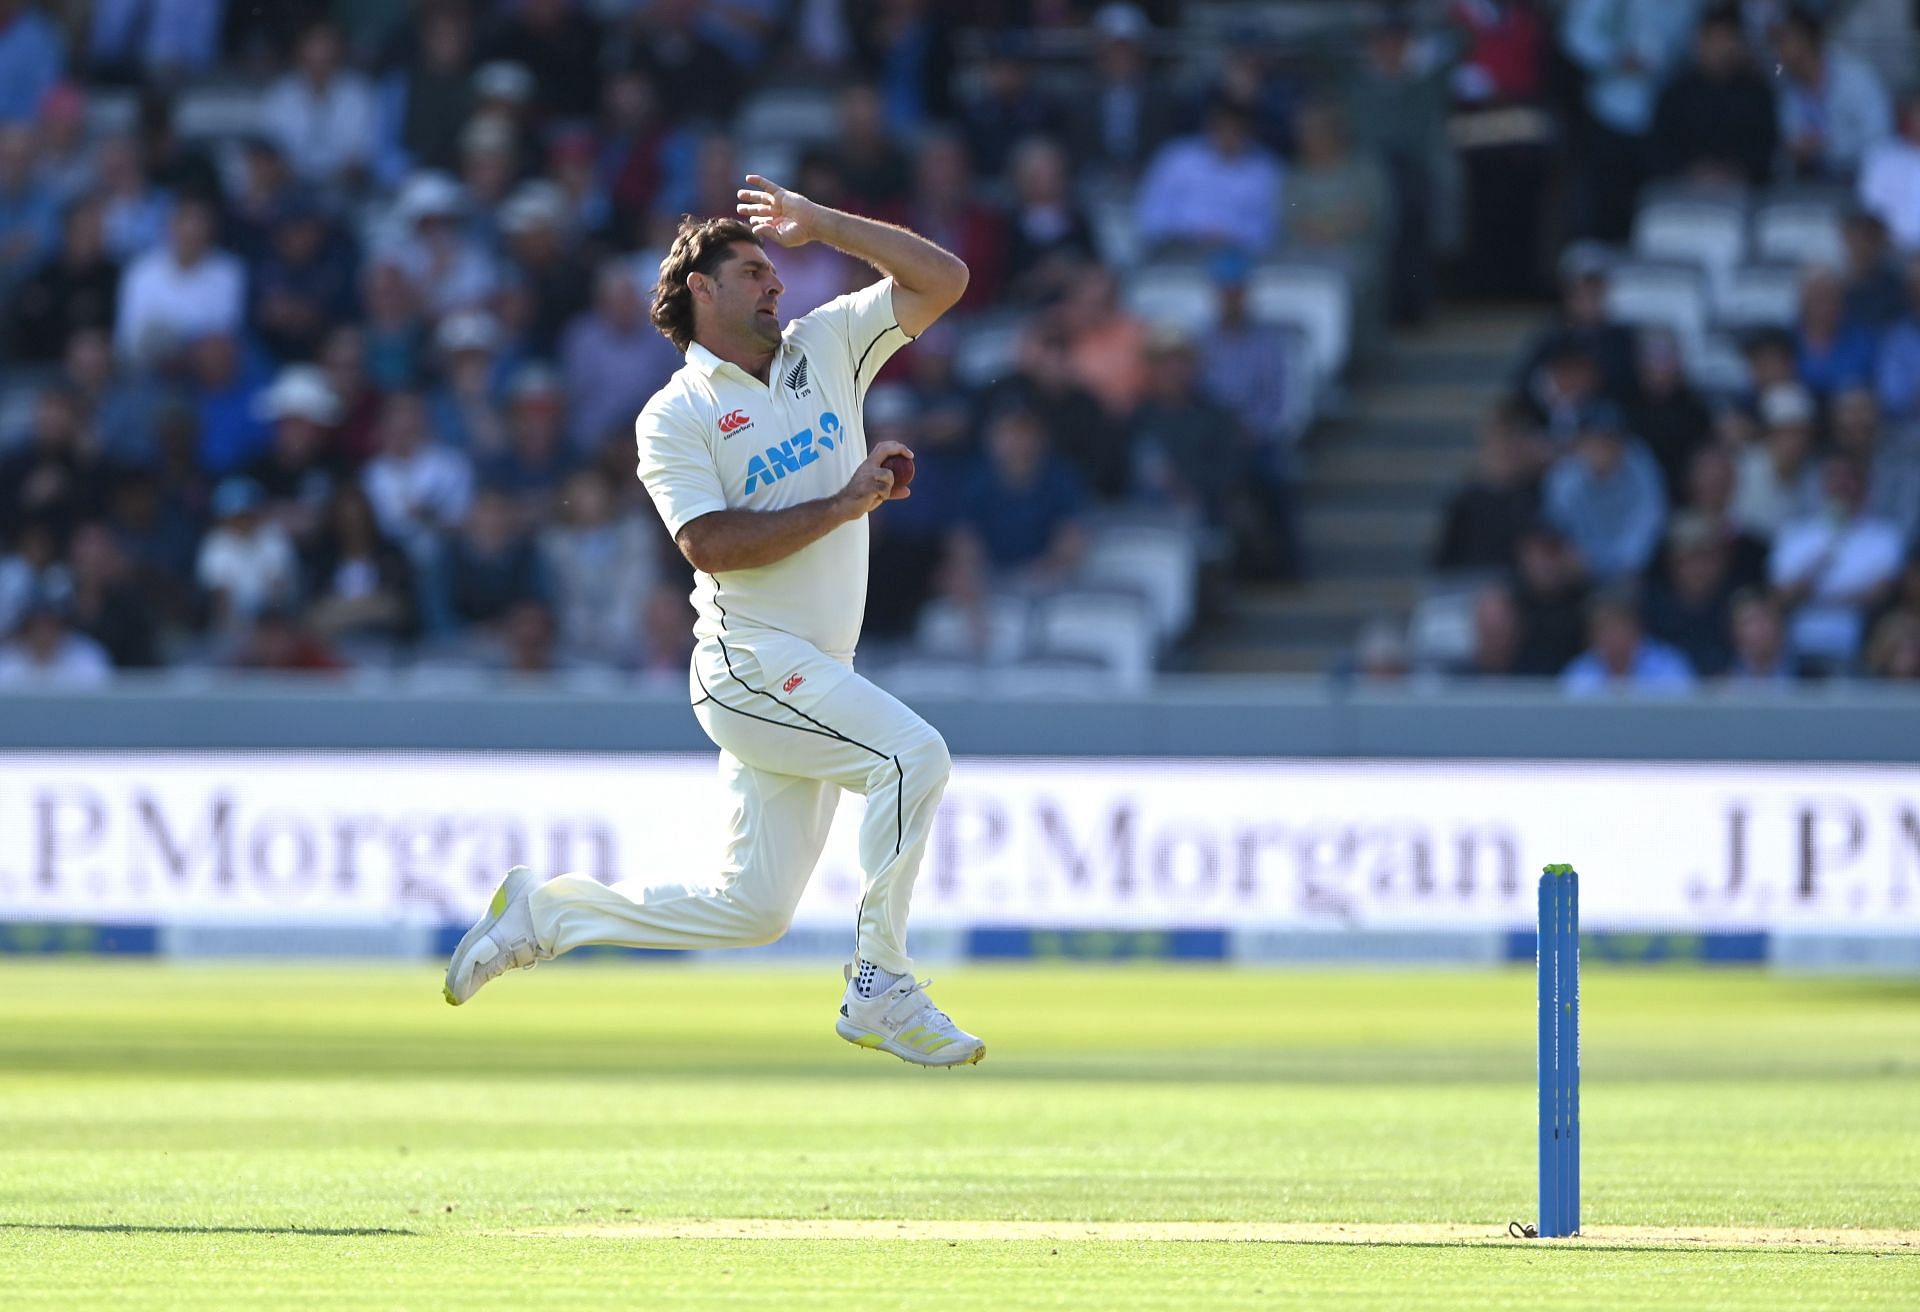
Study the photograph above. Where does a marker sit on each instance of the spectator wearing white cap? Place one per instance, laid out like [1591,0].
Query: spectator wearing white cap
[490,161]
[543,258]
[613,358]
[465,407]
[448,269]
[1833,567]
[182,291]
[247,562]
[323,115]
[1115,128]
[537,459]
[1775,481]
[301,465]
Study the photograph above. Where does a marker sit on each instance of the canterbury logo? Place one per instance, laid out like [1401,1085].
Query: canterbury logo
[793,683]
[734,422]
[796,379]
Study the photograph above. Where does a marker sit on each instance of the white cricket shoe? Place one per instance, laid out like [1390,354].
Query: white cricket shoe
[499,941]
[902,1020]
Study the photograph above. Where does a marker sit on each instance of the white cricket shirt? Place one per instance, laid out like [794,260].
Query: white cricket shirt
[717,438]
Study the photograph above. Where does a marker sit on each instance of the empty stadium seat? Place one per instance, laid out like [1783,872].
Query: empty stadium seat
[1114,232]
[1800,230]
[1716,365]
[1179,296]
[1440,631]
[1055,679]
[946,629]
[916,679]
[1113,628]
[1649,294]
[207,113]
[1709,233]
[1759,295]
[770,158]
[1158,563]
[986,351]
[1318,298]
[790,115]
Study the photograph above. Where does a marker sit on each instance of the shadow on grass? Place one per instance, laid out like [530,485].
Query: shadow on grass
[201,1229]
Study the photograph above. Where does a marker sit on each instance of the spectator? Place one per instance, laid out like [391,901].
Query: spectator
[359,584]
[631,149]
[945,209]
[1876,292]
[1897,375]
[1044,383]
[107,604]
[527,640]
[1118,125]
[1833,110]
[1894,652]
[1382,653]
[1667,414]
[135,214]
[69,157]
[663,42]
[536,460]
[247,562]
[492,565]
[466,405]
[343,359]
[225,380]
[278,641]
[29,212]
[1048,237]
[304,285]
[1626,50]
[1217,188]
[874,169]
[1507,143]
[1485,518]
[490,164]
[1106,345]
[428,98]
[323,115]
[74,292]
[1759,631]
[1399,111]
[265,190]
[1020,512]
[604,567]
[32,568]
[1606,496]
[46,653]
[448,271]
[1773,360]
[55,473]
[1709,495]
[1834,352]
[419,489]
[1892,461]
[1563,386]
[31,57]
[1192,454]
[1832,568]
[1583,323]
[186,290]
[1339,205]
[301,466]
[1495,650]
[1688,606]
[158,527]
[120,408]
[1890,178]
[612,358]
[1716,123]
[909,47]
[1622,658]
[1006,109]
[1245,365]
[559,46]
[910,537]
[394,329]
[153,40]
[559,286]
[1250,79]
[1775,481]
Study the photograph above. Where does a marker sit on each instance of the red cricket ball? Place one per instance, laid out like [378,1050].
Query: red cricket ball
[901,467]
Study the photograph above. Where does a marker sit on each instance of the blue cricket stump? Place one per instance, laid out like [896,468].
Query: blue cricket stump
[1559,1070]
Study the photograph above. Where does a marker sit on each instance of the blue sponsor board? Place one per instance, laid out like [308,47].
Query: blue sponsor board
[1656,948]
[1016,943]
[39,938]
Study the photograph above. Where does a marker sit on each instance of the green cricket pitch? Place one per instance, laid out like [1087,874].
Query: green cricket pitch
[658,1135]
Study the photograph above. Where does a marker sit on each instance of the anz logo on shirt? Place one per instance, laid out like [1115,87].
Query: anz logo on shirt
[792,455]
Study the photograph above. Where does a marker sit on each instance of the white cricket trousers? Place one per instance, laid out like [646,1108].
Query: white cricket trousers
[794,727]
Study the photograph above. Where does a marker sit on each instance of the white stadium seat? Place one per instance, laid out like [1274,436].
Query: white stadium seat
[1671,296]
[1160,564]
[986,351]
[1441,627]
[1799,231]
[211,112]
[792,115]
[1709,233]
[1115,629]
[946,629]
[1318,298]
[1759,295]
[1178,296]
[1717,365]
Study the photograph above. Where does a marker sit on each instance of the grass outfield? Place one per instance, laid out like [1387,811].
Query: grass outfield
[233,1137]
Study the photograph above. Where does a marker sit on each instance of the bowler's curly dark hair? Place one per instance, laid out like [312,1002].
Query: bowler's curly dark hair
[701,246]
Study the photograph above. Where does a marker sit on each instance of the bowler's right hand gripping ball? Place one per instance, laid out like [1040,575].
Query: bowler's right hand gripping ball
[901,466]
